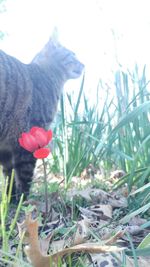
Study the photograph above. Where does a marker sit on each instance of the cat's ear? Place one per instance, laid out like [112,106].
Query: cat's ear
[54,37]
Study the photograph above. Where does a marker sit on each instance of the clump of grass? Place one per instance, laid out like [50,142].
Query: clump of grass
[8,233]
[113,133]
[80,137]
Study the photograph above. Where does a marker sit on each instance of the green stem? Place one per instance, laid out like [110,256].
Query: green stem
[64,139]
[46,188]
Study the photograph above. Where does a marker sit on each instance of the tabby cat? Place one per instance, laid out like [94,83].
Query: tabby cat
[29,94]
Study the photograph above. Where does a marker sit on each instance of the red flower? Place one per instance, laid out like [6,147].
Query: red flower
[35,141]
[41,153]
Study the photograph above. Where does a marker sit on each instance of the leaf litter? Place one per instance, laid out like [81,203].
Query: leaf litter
[92,229]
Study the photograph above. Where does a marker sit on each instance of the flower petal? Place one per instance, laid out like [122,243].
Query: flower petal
[41,153]
[42,136]
[28,142]
[34,129]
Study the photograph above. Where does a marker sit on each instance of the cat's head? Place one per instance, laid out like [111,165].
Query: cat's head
[63,61]
[66,62]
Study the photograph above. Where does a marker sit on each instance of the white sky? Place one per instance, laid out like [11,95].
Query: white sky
[85,26]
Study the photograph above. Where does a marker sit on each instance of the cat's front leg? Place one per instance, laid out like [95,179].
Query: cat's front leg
[24,164]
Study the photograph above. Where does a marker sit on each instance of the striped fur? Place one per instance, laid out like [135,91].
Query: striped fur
[29,94]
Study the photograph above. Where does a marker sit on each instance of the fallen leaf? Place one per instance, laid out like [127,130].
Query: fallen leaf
[137,220]
[99,196]
[134,229]
[117,174]
[44,243]
[57,246]
[110,260]
[38,259]
[82,232]
[103,211]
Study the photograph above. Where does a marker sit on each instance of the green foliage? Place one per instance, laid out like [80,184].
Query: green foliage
[132,133]
[6,234]
[114,133]
[80,136]
[145,242]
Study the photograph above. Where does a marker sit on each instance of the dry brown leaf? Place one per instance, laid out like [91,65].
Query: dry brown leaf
[88,247]
[33,252]
[44,243]
[134,229]
[117,174]
[82,232]
[115,237]
[103,211]
[57,245]
[33,249]
[108,259]
[38,259]
[87,212]
[99,196]
[107,233]
[137,220]
[83,193]
[97,213]
[117,200]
